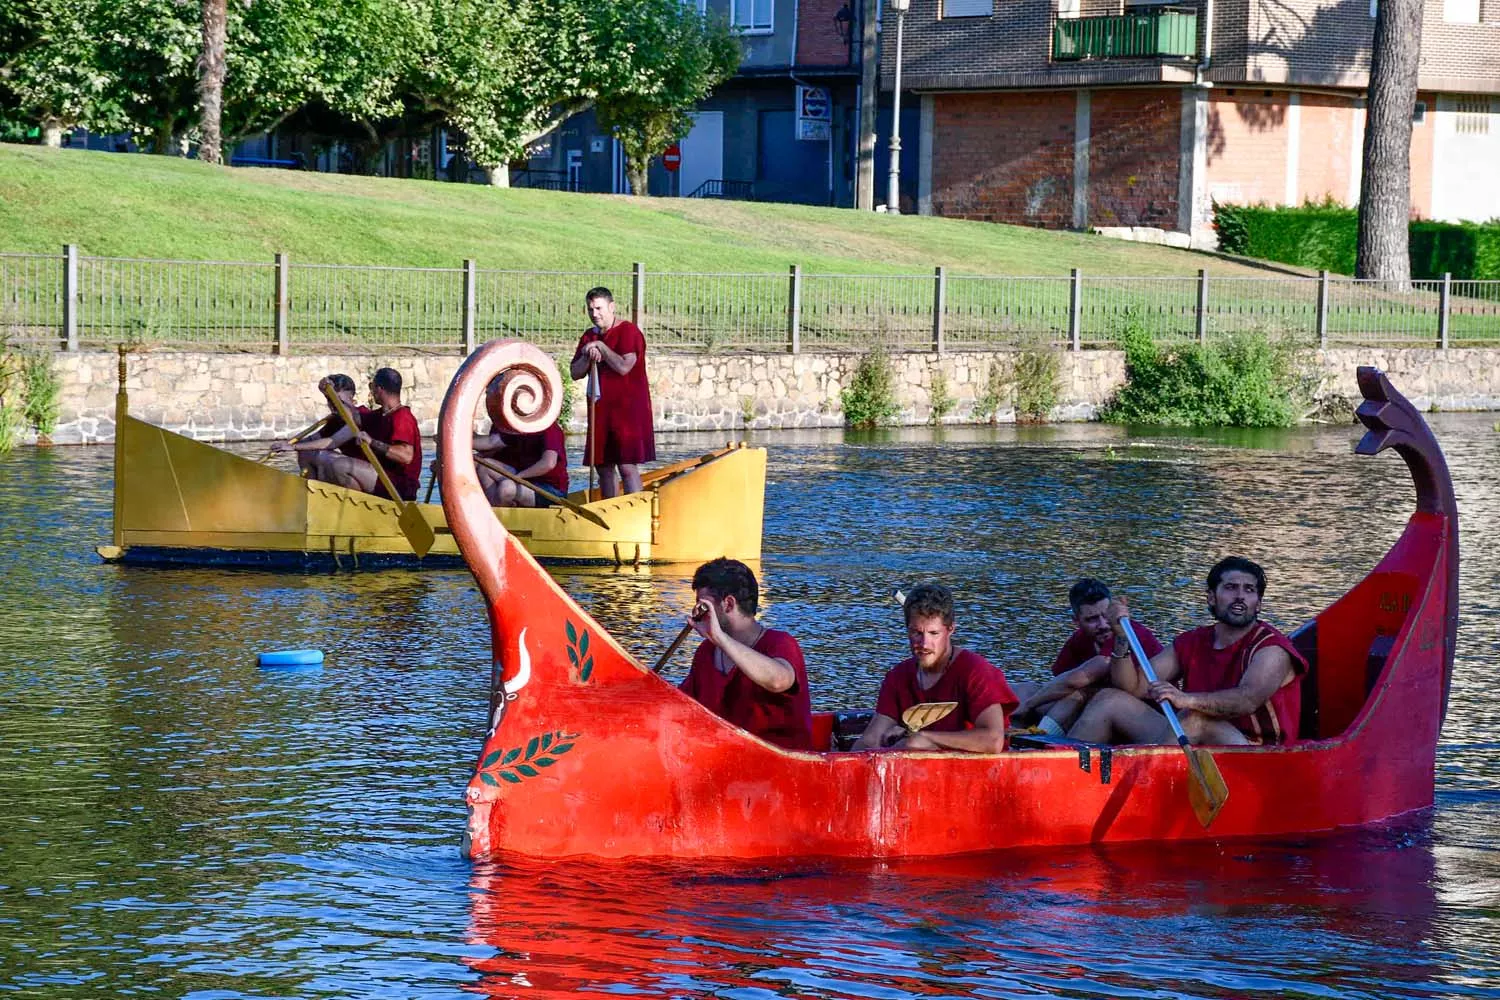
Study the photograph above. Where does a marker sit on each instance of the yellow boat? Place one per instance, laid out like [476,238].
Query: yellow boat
[185,502]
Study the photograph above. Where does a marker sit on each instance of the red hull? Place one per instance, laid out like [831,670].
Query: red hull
[592,754]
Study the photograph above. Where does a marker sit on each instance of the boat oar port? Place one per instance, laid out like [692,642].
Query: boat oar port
[1207,792]
[291,658]
[576,508]
[413,525]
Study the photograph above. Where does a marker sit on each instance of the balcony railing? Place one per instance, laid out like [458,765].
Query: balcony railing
[1144,33]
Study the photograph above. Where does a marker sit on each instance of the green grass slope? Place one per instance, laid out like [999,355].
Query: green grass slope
[124,205]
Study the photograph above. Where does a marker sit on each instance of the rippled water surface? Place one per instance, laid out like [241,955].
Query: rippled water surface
[175,821]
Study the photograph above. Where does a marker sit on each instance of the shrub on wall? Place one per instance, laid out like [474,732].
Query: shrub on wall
[1037,383]
[43,394]
[1326,235]
[1242,381]
[941,401]
[870,398]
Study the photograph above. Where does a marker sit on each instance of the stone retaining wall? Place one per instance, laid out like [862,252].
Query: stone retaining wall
[218,397]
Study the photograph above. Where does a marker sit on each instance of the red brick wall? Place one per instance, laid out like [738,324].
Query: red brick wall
[818,41]
[1246,146]
[1328,150]
[1004,157]
[1133,157]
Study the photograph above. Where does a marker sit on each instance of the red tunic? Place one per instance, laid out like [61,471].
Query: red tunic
[971,680]
[1079,648]
[1205,668]
[336,424]
[784,719]
[396,427]
[622,416]
[522,451]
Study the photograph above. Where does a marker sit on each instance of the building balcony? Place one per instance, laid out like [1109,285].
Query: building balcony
[1142,33]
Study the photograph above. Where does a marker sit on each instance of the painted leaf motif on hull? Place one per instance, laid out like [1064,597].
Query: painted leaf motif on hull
[518,763]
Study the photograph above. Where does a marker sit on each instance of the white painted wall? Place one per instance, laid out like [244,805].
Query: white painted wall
[702,152]
[1466,159]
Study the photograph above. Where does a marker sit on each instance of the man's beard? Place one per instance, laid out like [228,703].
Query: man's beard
[1234,619]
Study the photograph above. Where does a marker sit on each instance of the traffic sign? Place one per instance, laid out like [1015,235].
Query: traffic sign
[672,157]
[814,113]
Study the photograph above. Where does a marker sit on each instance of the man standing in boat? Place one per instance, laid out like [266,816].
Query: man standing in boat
[1081,669]
[939,671]
[748,674]
[1241,679]
[621,436]
[312,451]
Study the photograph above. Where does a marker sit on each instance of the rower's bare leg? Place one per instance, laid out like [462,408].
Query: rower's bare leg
[609,485]
[1112,716]
[1204,731]
[308,462]
[524,496]
[1066,710]
[491,484]
[632,476]
[353,473]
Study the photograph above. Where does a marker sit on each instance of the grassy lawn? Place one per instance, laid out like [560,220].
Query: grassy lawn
[123,205]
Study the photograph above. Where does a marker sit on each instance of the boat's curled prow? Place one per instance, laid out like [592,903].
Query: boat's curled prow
[590,753]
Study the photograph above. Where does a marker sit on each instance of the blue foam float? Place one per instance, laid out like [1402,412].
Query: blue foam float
[291,658]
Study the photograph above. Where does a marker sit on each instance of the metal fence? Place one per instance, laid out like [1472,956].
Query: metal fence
[73,302]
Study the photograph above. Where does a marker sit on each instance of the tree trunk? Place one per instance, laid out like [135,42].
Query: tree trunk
[499,175]
[869,86]
[1385,180]
[635,173]
[211,81]
[52,133]
[164,138]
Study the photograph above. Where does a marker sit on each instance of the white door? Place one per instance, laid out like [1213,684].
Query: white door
[1466,159]
[702,152]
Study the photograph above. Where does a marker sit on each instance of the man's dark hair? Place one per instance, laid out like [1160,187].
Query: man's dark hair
[341,382]
[598,292]
[929,600]
[388,379]
[1087,591]
[729,578]
[1231,564]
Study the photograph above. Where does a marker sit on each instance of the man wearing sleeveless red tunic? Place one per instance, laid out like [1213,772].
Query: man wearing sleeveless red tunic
[743,672]
[622,437]
[1240,679]
[938,671]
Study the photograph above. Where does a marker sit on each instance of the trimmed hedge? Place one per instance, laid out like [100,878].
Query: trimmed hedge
[1326,236]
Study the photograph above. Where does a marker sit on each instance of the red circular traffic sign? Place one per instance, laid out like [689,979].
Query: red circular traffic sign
[672,157]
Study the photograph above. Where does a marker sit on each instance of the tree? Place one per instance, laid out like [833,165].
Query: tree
[679,57]
[1385,181]
[211,70]
[50,72]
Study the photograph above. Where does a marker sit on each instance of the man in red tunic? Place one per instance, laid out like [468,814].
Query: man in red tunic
[622,436]
[392,434]
[748,674]
[1241,679]
[541,459]
[313,451]
[1081,669]
[938,671]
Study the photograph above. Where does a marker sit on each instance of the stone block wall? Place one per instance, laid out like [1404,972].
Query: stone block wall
[227,397]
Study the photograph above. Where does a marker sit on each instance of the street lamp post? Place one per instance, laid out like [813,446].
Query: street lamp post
[893,191]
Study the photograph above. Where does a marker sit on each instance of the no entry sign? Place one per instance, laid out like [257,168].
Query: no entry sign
[672,157]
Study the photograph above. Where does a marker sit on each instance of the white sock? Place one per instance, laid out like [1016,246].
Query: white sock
[1049,726]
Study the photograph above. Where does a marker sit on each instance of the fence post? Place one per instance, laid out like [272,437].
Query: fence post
[1322,310]
[939,304]
[1443,303]
[70,295]
[1202,305]
[794,309]
[1075,310]
[283,306]
[637,292]
[471,285]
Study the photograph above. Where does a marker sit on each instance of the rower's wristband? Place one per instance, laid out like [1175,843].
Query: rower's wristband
[1120,654]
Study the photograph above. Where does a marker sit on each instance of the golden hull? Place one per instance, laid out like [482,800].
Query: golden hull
[182,501]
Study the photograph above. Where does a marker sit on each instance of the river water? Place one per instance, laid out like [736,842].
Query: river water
[175,821]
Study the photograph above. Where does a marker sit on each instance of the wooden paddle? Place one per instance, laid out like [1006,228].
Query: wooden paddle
[591,391]
[413,525]
[1207,793]
[576,508]
[678,642]
[304,432]
[920,716]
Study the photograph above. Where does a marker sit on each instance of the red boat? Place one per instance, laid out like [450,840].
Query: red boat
[590,753]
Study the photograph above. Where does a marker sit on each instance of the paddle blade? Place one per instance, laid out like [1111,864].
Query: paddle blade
[921,716]
[1207,791]
[416,529]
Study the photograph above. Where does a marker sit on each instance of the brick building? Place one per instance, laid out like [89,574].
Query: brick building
[1087,113]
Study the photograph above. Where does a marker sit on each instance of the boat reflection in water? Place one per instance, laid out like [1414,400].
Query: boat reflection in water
[1351,914]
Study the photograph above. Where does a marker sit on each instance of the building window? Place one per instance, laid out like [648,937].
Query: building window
[753,16]
[1471,115]
[968,8]
[1068,8]
[1461,11]
[1419,113]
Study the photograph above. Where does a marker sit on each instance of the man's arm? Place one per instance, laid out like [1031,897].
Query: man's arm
[621,363]
[1086,674]
[579,368]
[486,443]
[877,732]
[1267,672]
[541,466]
[987,736]
[772,673]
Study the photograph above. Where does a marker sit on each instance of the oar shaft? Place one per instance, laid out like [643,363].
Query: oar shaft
[304,432]
[501,470]
[672,649]
[1144,662]
[343,411]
